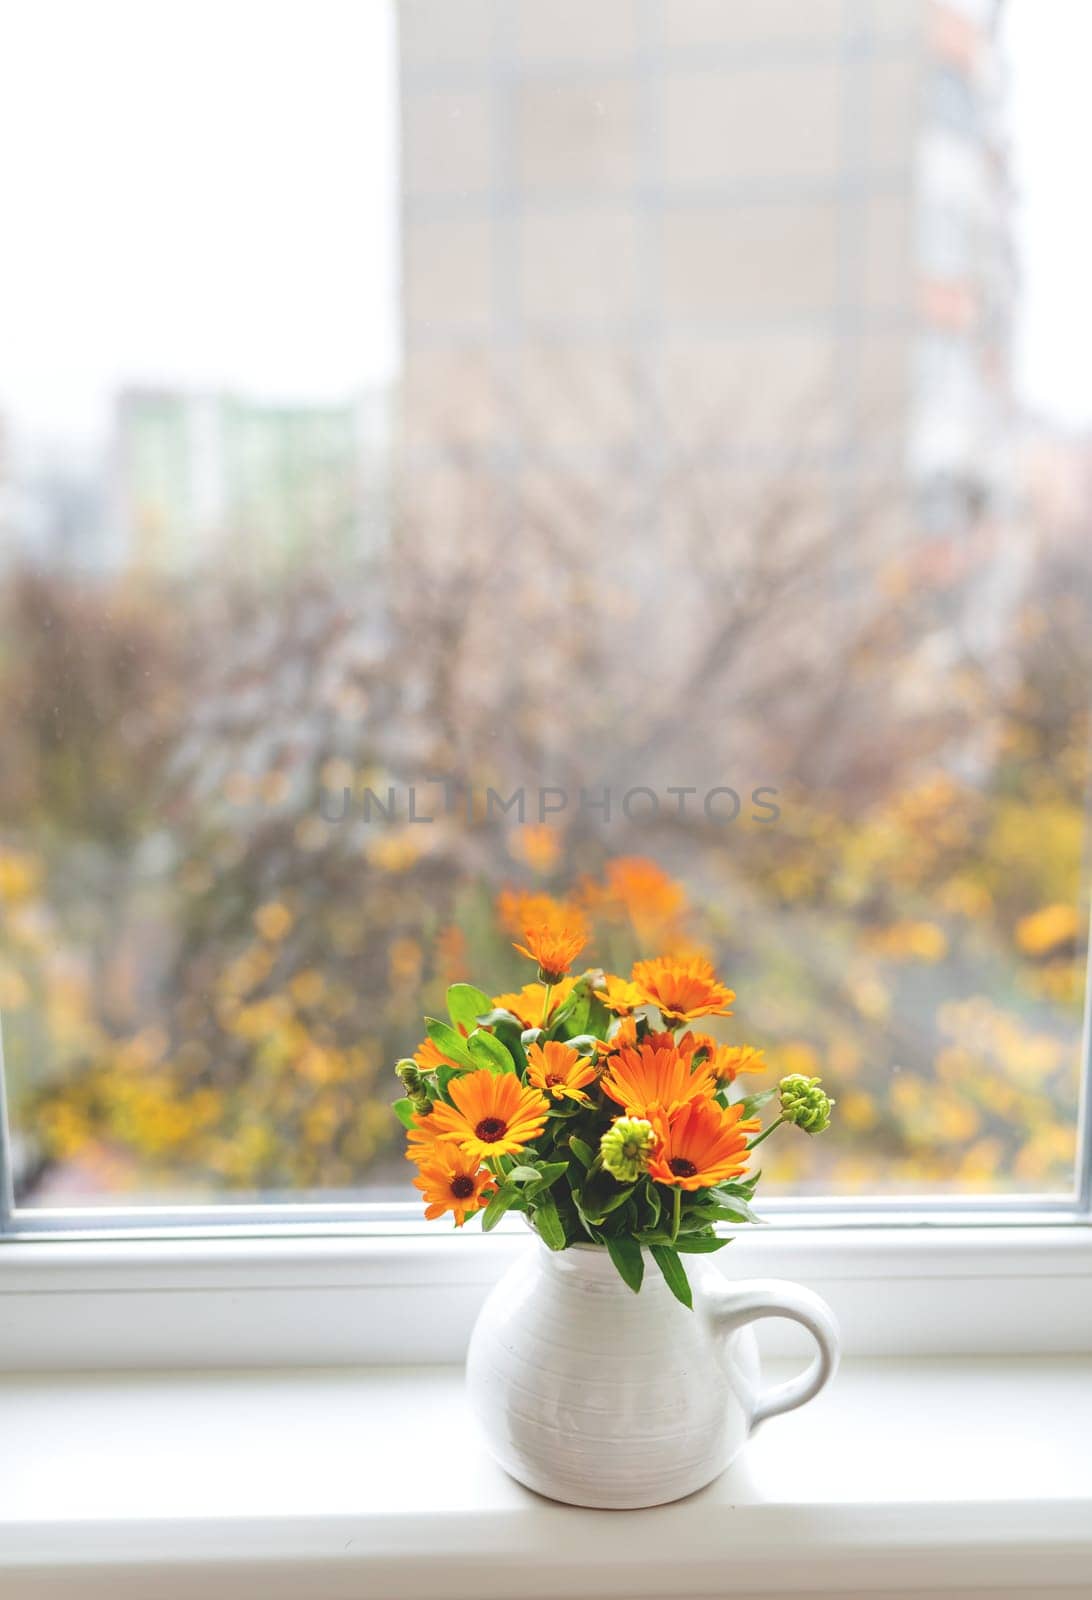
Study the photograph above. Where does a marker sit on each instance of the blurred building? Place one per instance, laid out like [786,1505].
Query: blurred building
[50,507]
[1054,467]
[751,235]
[207,479]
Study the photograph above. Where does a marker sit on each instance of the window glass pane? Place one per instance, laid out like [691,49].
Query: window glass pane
[419,423]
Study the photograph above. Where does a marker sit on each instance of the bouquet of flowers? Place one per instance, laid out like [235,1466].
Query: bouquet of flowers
[590,1104]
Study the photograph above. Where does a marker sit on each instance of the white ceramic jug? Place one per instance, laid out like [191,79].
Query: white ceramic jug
[597,1396]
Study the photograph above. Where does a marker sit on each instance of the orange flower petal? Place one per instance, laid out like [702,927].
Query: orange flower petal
[493,1114]
[702,1144]
[559,1070]
[683,988]
[654,1076]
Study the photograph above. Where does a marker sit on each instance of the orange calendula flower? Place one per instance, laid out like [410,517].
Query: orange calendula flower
[517,907]
[493,1114]
[553,936]
[453,1181]
[539,844]
[527,1004]
[683,988]
[429,1056]
[729,1060]
[726,1061]
[451,958]
[619,995]
[654,1077]
[625,1035]
[702,1144]
[421,1138]
[641,891]
[692,1044]
[559,1070]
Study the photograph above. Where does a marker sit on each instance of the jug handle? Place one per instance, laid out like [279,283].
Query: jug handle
[733,1305]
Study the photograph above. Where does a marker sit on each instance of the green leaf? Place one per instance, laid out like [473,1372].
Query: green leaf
[613,1201]
[509,1032]
[488,1052]
[666,1258]
[524,1174]
[582,1151]
[446,1040]
[541,1177]
[583,1043]
[697,1244]
[599,1018]
[597,1210]
[743,1188]
[548,1223]
[466,1004]
[754,1102]
[602,1194]
[405,1110]
[729,1206]
[652,1201]
[550,1171]
[501,1202]
[572,1017]
[729,1211]
[628,1260]
[564,1110]
[490,1019]
[728,1191]
[444,1076]
[746,1189]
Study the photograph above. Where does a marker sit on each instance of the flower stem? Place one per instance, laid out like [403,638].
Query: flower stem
[676,1212]
[765,1134]
[546,1004]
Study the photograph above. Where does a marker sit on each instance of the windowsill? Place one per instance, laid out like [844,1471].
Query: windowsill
[926,1475]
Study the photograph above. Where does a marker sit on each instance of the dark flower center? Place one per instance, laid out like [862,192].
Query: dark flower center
[552,1078]
[681,1167]
[462,1187]
[490,1129]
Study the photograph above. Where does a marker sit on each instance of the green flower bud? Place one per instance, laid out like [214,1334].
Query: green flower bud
[414,1083]
[626,1147]
[805,1103]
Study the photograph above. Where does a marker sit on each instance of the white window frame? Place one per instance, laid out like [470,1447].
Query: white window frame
[117,1287]
[390,1294]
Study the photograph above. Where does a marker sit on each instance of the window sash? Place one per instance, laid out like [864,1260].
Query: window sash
[386,1298]
[279,1219]
[911,1211]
